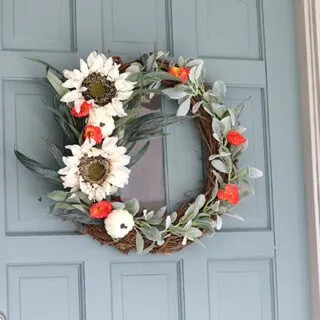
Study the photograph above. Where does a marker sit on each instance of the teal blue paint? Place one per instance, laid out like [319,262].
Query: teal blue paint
[256,270]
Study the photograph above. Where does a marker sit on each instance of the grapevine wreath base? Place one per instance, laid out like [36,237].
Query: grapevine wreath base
[97,108]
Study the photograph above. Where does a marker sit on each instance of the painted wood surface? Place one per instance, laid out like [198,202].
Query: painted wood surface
[255,270]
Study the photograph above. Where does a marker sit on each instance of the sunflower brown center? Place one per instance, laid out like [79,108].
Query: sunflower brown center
[99,88]
[94,170]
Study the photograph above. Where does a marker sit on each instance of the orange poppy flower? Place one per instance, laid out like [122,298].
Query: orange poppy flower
[93,132]
[100,209]
[84,110]
[230,193]
[181,73]
[235,138]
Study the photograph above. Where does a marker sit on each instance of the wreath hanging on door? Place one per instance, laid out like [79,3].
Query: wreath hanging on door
[97,109]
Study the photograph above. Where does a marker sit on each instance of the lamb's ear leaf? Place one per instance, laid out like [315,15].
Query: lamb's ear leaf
[147,250]
[46,173]
[140,153]
[139,243]
[132,206]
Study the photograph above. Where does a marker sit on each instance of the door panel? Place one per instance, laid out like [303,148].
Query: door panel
[254,270]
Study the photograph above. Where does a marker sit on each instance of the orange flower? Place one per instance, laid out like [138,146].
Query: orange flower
[100,209]
[230,193]
[84,110]
[181,73]
[93,132]
[235,138]
[221,194]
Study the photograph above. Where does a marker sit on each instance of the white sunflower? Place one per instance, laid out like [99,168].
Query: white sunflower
[96,172]
[100,118]
[99,81]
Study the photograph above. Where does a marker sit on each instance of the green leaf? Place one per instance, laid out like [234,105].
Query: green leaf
[254,173]
[47,65]
[226,121]
[160,213]
[193,233]
[151,125]
[139,243]
[58,196]
[133,77]
[168,222]
[155,221]
[46,173]
[219,90]
[81,208]
[161,75]
[173,216]
[147,137]
[217,176]
[196,106]
[148,215]
[180,61]
[118,205]
[174,93]
[184,107]
[132,206]
[219,109]
[83,197]
[152,233]
[56,83]
[219,165]
[195,73]
[62,121]
[74,216]
[206,224]
[234,216]
[217,127]
[62,205]
[222,154]
[139,154]
[147,250]
[130,146]
[131,114]
[242,173]
[238,150]
[55,151]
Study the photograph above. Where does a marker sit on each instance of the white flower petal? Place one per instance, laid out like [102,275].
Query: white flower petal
[117,108]
[113,73]
[124,85]
[91,58]
[134,68]
[97,64]
[99,117]
[124,95]
[84,68]
[70,84]
[107,66]
[109,143]
[71,96]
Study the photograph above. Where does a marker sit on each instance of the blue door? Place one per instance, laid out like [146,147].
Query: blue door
[256,270]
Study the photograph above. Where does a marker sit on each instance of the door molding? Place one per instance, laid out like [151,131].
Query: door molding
[308,34]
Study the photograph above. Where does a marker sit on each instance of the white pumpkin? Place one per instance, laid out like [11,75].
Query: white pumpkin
[119,223]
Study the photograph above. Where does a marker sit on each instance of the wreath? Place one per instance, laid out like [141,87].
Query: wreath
[97,108]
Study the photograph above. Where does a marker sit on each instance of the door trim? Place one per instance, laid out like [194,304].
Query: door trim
[308,34]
